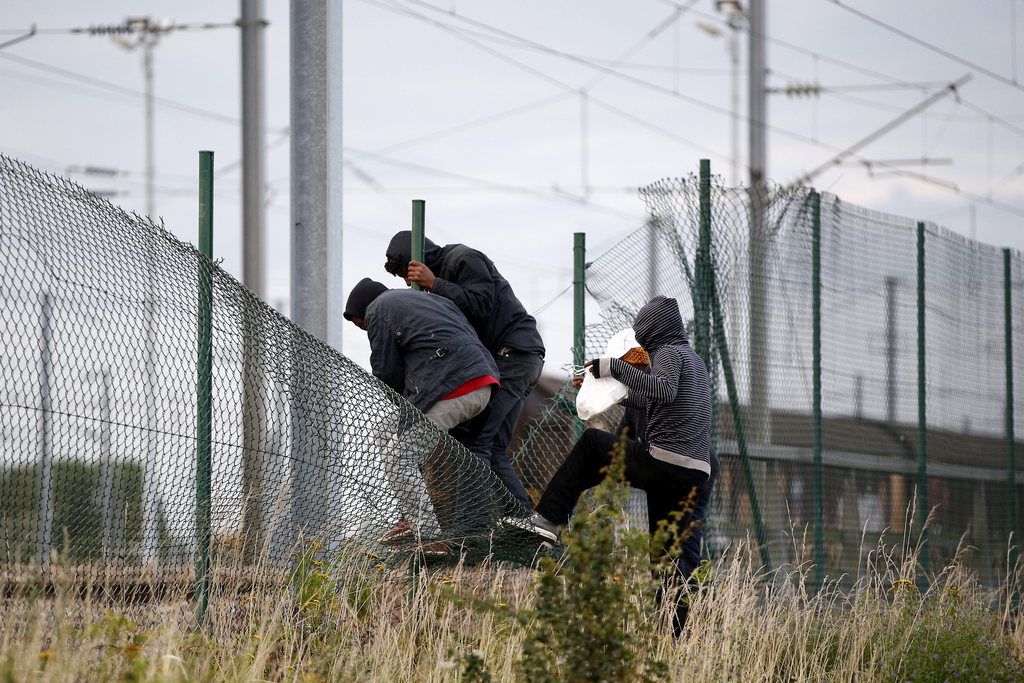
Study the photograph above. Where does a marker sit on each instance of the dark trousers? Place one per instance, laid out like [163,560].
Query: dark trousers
[490,434]
[668,489]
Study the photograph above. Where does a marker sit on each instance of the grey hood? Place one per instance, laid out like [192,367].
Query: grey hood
[659,324]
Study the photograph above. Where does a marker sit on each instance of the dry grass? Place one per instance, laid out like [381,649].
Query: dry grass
[354,619]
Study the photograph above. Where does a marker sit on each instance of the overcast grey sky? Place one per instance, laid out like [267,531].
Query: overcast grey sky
[512,187]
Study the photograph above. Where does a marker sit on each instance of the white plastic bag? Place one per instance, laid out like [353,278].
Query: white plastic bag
[598,394]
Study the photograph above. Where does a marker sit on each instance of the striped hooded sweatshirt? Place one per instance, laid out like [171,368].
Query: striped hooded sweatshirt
[677,390]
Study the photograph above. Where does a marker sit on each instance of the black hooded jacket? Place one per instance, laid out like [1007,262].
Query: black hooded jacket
[467,277]
[677,390]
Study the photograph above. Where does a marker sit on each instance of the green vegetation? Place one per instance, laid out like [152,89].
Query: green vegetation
[589,615]
[78,492]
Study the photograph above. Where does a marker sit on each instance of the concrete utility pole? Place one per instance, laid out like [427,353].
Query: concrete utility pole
[760,425]
[734,58]
[149,32]
[148,42]
[735,18]
[316,167]
[253,375]
[890,351]
[316,171]
[252,24]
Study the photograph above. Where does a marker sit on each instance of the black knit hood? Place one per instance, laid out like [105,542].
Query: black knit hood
[361,296]
[659,323]
[400,250]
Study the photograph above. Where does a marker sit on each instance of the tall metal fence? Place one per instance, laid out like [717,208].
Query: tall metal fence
[162,426]
[863,370]
[862,365]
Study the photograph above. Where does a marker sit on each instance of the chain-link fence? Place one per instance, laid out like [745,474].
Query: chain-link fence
[833,420]
[98,451]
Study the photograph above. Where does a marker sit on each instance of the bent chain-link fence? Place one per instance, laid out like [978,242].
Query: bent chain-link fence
[99,406]
[98,309]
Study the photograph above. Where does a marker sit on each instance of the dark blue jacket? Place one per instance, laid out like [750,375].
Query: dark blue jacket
[423,347]
[467,277]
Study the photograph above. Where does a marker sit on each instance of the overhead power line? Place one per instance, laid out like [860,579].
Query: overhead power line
[32,32]
[929,46]
[516,189]
[124,28]
[551,301]
[875,87]
[567,87]
[475,123]
[654,87]
[796,87]
[124,90]
[921,161]
[703,104]
[374,185]
[894,81]
[950,89]
[696,101]
[660,28]
[801,49]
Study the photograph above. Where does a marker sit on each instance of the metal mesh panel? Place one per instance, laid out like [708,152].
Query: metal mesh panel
[762,291]
[98,312]
[98,412]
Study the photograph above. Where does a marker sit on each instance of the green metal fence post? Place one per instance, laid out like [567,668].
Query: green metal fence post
[579,309]
[922,425]
[1011,467]
[741,434]
[705,297]
[819,523]
[419,209]
[204,387]
[702,267]
[579,281]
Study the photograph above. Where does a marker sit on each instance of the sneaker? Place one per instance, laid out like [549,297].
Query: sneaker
[433,549]
[535,524]
[398,534]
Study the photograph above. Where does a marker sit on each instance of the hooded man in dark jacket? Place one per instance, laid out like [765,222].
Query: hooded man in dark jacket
[469,279]
[634,426]
[422,347]
[673,460]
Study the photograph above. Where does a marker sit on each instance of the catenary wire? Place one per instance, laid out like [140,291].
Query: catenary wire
[945,185]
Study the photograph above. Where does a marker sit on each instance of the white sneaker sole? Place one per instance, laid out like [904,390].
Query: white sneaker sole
[524,524]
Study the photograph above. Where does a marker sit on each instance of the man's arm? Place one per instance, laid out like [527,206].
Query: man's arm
[474,291]
[386,361]
[659,385]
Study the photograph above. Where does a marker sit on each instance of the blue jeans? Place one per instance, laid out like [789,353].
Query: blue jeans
[488,436]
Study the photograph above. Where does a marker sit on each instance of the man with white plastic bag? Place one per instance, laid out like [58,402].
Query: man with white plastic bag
[673,461]
[598,394]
